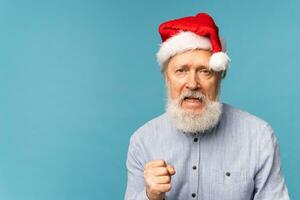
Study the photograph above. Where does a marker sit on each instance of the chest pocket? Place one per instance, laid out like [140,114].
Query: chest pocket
[230,185]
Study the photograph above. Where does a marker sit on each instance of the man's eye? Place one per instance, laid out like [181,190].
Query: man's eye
[180,70]
[206,72]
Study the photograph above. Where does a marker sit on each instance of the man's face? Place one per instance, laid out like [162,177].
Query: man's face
[188,71]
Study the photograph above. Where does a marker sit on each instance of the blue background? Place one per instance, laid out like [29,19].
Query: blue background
[78,77]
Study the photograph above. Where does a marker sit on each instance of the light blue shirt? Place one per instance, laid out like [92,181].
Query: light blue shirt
[237,160]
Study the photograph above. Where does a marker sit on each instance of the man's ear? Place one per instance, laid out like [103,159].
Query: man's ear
[220,78]
[166,79]
[223,74]
[164,72]
[164,68]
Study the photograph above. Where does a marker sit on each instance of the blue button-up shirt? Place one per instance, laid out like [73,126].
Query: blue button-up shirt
[237,160]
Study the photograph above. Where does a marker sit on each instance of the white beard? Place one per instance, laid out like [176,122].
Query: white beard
[194,122]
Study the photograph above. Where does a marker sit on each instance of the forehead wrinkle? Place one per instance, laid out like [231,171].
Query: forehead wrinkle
[182,66]
[194,63]
[193,59]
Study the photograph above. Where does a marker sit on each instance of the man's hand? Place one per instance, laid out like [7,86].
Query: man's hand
[157,176]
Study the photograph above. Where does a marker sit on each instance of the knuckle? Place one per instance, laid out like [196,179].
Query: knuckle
[164,171]
[170,167]
[159,162]
[168,187]
[168,179]
[162,162]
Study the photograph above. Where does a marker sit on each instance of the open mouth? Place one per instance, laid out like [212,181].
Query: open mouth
[193,99]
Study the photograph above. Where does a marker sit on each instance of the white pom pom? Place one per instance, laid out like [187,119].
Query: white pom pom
[219,61]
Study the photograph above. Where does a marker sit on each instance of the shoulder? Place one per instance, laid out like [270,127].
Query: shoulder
[241,116]
[246,122]
[151,128]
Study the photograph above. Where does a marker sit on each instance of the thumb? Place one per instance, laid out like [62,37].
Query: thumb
[171,170]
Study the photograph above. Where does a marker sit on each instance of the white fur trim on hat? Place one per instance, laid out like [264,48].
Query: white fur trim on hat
[181,42]
[185,41]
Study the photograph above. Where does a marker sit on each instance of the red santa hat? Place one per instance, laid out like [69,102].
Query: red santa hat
[188,33]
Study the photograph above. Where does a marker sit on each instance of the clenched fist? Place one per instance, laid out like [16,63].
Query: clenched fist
[157,176]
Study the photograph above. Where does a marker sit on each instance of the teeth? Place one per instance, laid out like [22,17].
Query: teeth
[192,98]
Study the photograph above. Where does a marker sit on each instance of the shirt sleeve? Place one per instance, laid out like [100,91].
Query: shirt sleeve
[135,178]
[269,182]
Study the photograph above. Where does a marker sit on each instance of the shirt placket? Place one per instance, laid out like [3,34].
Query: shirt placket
[194,170]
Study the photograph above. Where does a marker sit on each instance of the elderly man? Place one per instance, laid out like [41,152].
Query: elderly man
[201,148]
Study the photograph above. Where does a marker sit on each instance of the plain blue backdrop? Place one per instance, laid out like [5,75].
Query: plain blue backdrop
[78,77]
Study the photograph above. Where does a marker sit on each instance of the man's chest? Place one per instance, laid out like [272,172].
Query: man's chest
[209,170]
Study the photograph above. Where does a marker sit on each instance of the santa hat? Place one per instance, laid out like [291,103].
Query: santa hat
[188,33]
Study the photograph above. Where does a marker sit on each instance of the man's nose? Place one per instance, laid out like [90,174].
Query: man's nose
[193,82]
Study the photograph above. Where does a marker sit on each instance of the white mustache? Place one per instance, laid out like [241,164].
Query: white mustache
[193,94]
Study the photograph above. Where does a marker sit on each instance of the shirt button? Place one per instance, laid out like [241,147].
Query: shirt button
[193,195]
[194,167]
[195,139]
